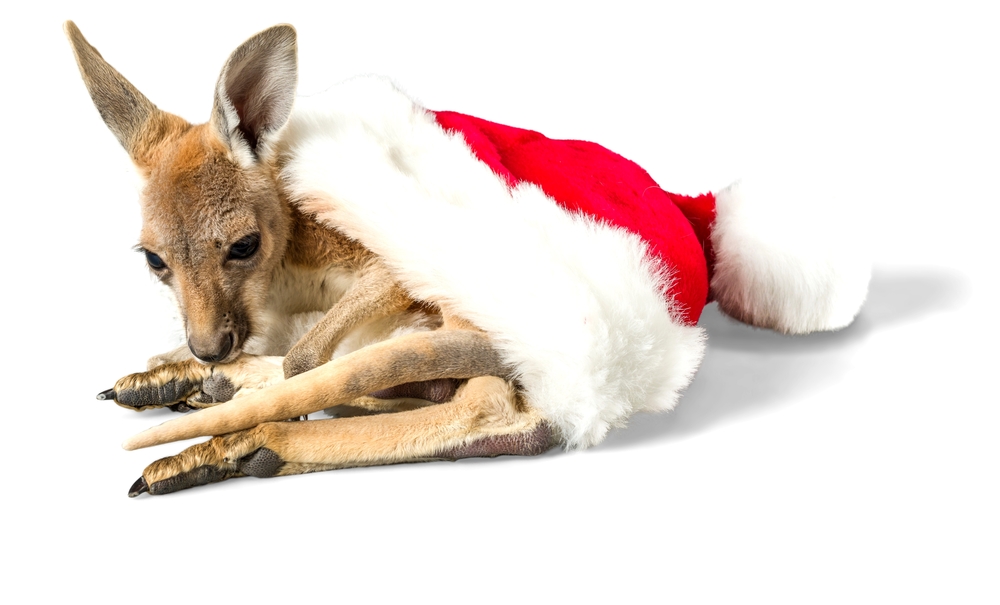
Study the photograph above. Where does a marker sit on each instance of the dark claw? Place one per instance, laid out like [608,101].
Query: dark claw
[139,487]
[105,395]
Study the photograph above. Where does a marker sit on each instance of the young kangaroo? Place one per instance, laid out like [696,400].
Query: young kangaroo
[524,291]
[248,268]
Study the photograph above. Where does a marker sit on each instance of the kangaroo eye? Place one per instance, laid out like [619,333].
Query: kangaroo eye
[155,262]
[245,248]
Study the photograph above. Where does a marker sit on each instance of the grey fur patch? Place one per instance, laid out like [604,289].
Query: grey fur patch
[263,463]
[219,387]
[454,354]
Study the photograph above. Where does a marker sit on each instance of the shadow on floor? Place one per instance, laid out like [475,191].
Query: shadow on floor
[746,370]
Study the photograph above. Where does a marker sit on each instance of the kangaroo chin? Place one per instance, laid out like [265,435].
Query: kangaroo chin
[468,288]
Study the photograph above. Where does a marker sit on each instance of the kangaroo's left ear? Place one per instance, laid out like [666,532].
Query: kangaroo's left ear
[137,124]
[256,89]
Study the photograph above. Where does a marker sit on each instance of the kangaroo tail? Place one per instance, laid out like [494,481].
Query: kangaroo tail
[774,270]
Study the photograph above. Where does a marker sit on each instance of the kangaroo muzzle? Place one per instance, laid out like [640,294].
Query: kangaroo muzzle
[212,348]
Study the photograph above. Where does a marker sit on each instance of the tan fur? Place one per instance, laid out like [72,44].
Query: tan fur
[374,293]
[211,186]
[409,358]
[196,384]
[485,407]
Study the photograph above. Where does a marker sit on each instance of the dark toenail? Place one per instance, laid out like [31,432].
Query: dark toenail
[139,487]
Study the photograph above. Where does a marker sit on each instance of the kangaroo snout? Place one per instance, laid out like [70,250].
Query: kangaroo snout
[212,348]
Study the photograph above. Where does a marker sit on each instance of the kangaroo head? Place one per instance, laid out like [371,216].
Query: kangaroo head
[214,225]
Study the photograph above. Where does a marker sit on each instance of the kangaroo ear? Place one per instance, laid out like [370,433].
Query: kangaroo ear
[256,89]
[134,120]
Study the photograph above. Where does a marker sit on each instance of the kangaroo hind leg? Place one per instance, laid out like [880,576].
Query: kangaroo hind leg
[487,417]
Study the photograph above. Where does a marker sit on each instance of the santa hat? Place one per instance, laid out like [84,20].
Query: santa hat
[588,276]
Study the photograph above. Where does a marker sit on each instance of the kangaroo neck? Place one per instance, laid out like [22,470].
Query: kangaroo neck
[312,245]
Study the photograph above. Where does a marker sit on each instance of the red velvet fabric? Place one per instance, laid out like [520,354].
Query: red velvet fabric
[585,177]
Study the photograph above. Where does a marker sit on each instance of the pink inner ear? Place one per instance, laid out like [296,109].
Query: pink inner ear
[259,82]
[243,85]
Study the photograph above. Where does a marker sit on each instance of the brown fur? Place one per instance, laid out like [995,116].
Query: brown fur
[197,202]
[313,246]
[208,188]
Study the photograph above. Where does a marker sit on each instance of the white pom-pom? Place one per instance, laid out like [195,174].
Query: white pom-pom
[795,267]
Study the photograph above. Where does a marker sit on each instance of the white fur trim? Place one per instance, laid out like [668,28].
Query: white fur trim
[576,306]
[775,269]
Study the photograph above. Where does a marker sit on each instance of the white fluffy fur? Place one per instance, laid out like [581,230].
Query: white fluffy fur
[777,269]
[576,306]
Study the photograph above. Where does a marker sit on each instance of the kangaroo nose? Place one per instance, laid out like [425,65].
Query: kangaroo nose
[212,352]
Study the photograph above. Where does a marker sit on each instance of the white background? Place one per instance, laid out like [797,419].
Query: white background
[860,466]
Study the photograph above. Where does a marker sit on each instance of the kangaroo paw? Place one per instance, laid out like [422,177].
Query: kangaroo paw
[187,385]
[243,453]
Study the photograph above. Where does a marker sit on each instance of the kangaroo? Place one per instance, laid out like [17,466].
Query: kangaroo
[464,278]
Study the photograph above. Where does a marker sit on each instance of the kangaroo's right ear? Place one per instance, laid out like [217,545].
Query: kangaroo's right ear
[134,120]
[256,89]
